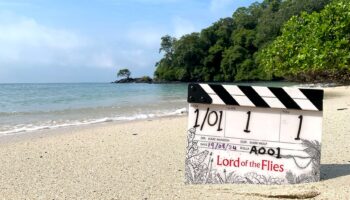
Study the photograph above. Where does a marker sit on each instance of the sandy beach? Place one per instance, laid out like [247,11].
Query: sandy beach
[145,160]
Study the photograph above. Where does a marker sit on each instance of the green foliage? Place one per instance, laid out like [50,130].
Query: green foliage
[230,49]
[124,73]
[146,79]
[232,58]
[312,44]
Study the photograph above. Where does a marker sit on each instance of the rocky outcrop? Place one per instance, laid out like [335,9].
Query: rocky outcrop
[144,79]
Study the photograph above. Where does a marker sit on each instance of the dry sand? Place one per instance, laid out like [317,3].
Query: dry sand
[145,160]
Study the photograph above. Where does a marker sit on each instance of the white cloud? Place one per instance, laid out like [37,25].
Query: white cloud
[103,60]
[27,44]
[24,41]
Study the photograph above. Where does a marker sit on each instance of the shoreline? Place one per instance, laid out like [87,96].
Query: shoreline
[29,127]
[30,135]
[145,160]
[182,114]
[76,127]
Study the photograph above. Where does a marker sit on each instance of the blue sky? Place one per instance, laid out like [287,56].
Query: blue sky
[88,41]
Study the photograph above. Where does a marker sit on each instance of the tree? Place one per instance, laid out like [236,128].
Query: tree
[229,49]
[167,46]
[124,73]
[312,47]
[232,58]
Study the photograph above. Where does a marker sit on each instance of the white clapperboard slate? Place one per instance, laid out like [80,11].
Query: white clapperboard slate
[251,134]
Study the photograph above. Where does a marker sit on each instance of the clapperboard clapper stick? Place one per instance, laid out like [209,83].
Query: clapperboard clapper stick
[253,134]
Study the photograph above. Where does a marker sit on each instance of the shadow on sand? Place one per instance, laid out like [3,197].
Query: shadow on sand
[330,171]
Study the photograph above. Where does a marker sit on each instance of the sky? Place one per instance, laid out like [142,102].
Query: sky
[49,41]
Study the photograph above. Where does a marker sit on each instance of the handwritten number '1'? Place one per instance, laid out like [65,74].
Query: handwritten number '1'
[196,123]
[247,126]
[300,123]
[219,126]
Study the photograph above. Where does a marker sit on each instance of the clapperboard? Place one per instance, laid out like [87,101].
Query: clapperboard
[253,134]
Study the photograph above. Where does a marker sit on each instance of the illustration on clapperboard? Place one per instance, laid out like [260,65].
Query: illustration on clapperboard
[253,134]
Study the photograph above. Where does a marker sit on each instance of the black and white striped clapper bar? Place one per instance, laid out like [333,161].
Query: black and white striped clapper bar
[253,134]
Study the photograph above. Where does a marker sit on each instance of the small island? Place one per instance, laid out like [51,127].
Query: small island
[126,77]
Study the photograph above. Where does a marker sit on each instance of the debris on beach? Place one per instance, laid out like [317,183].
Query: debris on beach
[342,108]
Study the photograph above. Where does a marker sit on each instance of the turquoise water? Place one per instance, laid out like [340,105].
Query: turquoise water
[30,107]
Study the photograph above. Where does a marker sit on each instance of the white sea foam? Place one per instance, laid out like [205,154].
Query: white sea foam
[316,85]
[25,128]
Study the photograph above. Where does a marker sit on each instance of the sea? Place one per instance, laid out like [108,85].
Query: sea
[27,107]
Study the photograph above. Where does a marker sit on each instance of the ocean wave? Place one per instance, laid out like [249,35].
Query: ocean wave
[317,85]
[24,128]
[86,109]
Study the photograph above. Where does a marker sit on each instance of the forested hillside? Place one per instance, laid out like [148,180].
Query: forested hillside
[244,46]
[312,47]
